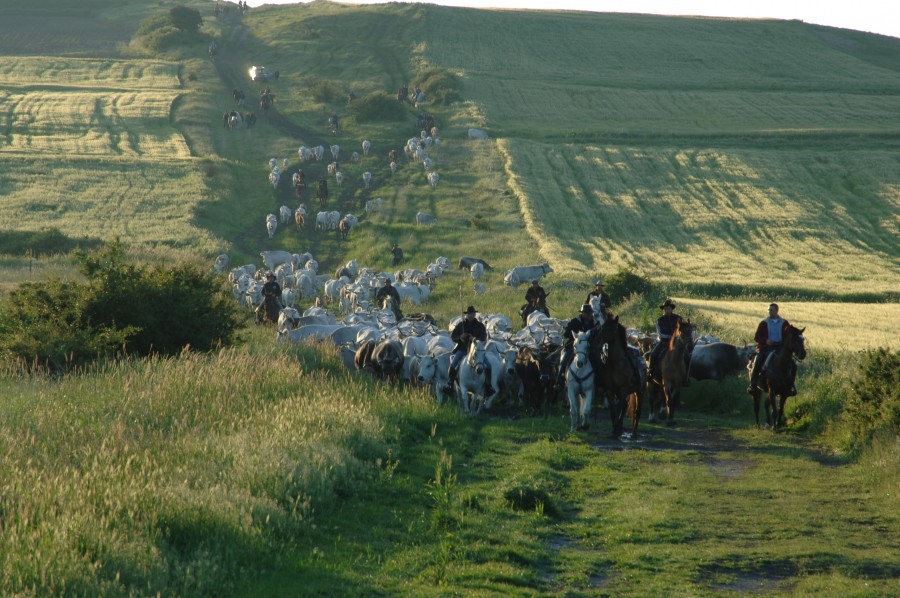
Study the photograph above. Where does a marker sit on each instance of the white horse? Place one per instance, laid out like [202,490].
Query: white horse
[472,377]
[580,383]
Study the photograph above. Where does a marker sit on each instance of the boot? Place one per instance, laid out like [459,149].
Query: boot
[792,392]
[754,380]
[451,378]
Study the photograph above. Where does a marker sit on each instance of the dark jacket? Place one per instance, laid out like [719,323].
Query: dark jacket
[474,328]
[386,291]
[575,326]
[272,289]
[665,325]
[535,293]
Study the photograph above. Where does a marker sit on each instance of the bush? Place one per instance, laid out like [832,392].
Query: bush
[324,91]
[122,308]
[185,19]
[378,105]
[627,282]
[873,407]
[441,86]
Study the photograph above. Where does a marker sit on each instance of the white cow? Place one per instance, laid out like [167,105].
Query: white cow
[423,218]
[339,178]
[367,179]
[272,259]
[520,274]
[480,288]
[305,153]
[285,213]
[319,152]
[393,167]
[366,145]
[433,179]
[477,270]
[275,177]
[322,221]
[335,151]
[428,163]
[271,224]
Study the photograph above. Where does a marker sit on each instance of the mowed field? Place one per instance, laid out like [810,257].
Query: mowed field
[830,327]
[707,158]
[90,148]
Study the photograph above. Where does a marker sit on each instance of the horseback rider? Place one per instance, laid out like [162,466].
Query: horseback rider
[583,322]
[397,255]
[388,290]
[333,122]
[468,330]
[768,340]
[535,293]
[598,291]
[271,303]
[665,328]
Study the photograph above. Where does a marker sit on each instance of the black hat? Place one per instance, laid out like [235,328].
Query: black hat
[270,275]
[587,309]
[534,282]
[668,303]
[470,310]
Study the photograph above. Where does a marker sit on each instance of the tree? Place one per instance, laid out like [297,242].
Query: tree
[186,19]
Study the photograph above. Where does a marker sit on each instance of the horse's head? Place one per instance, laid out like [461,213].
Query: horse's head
[794,341]
[684,334]
[582,347]
[475,357]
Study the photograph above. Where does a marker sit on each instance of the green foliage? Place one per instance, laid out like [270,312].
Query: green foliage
[48,241]
[441,85]
[122,308]
[185,19]
[873,407]
[325,91]
[377,106]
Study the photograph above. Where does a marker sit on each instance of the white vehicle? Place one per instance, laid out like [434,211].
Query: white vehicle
[261,73]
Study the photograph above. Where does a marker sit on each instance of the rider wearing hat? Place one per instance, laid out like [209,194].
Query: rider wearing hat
[271,303]
[468,330]
[396,254]
[535,293]
[768,340]
[665,328]
[583,322]
[388,290]
[598,291]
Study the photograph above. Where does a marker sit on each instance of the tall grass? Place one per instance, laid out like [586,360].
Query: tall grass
[179,475]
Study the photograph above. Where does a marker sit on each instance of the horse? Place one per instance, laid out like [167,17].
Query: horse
[322,192]
[580,383]
[265,101]
[471,379]
[536,304]
[778,374]
[673,372]
[619,375]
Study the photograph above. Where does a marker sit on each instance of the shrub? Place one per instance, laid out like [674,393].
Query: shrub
[185,19]
[378,105]
[122,308]
[873,407]
[626,282]
[441,86]
[323,90]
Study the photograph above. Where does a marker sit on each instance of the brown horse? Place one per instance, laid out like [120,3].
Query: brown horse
[673,372]
[618,375]
[778,374]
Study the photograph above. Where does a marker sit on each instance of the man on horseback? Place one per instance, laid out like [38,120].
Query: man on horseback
[536,300]
[388,290]
[605,302]
[333,123]
[463,334]
[665,328]
[396,255]
[768,340]
[535,293]
[271,303]
[583,322]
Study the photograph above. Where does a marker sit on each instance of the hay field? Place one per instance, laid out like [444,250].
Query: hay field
[829,326]
[748,217]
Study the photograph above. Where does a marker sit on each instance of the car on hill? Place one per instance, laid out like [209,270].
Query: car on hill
[261,73]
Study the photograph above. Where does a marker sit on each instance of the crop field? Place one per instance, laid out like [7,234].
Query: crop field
[736,216]
[830,327]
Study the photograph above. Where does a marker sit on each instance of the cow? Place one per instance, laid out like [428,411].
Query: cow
[433,371]
[465,263]
[284,213]
[384,359]
[433,179]
[367,179]
[477,270]
[221,263]
[520,274]
[271,224]
[425,219]
[393,167]
[716,361]
[335,151]
[299,218]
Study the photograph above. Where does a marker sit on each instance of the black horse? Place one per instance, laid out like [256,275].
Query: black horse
[778,375]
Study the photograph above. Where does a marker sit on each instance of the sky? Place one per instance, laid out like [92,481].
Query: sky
[874,16]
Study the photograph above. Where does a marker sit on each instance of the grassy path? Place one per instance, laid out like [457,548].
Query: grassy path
[711,507]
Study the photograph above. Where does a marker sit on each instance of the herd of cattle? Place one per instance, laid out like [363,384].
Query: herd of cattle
[415,349]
